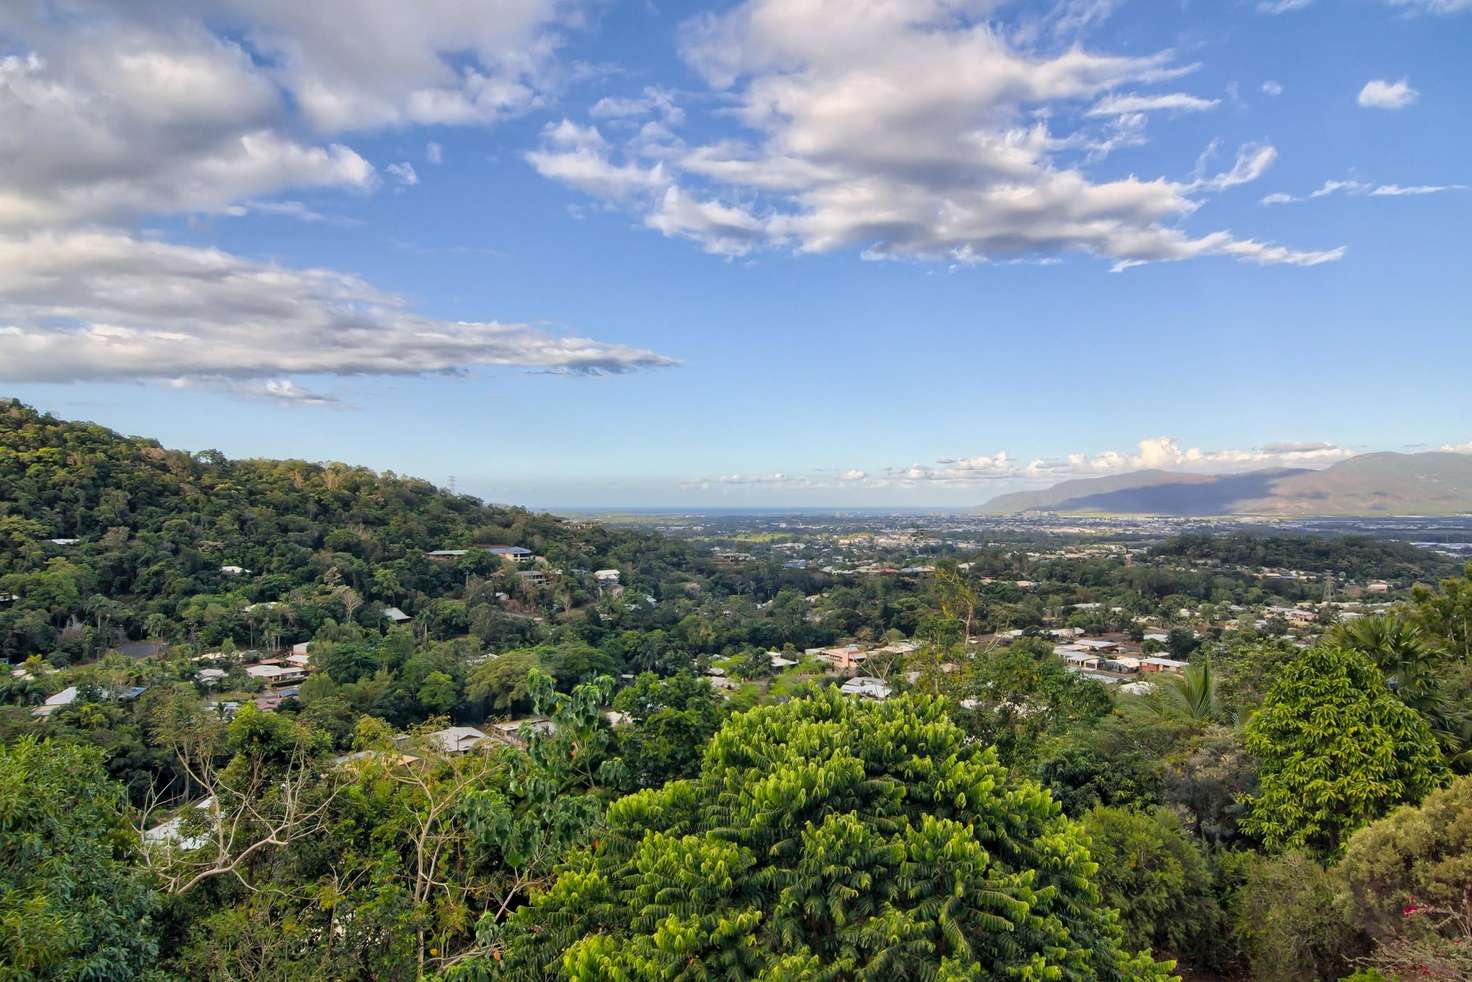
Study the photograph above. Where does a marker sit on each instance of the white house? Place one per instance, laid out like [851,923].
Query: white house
[779,662]
[395,615]
[866,687]
[234,570]
[456,739]
[272,674]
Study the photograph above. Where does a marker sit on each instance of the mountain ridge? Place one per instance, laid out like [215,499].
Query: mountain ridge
[1368,485]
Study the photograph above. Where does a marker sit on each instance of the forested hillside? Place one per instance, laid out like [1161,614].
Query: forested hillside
[158,534]
[282,720]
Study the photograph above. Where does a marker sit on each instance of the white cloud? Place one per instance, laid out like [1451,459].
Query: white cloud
[1355,188]
[403,173]
[1153,453]
[907,130]
[1457,447]
[130,123]
[110,111]
[96,306]
[579,156]
[1118,105]
[1380,94]
[1272,88]
[434,152]
[452,62]
[1253,160]
[1409,6]
[1433,6]
[654,101]
[720,229]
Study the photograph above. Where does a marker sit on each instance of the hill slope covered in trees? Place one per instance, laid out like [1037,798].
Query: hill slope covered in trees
[158,530]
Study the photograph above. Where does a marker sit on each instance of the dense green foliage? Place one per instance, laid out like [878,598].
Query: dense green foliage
[71,904]
[1263,814]
[828,839]
[1158,877]
[1337,751]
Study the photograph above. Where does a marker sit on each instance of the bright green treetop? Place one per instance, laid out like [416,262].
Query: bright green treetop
[1337,751]
[828,839]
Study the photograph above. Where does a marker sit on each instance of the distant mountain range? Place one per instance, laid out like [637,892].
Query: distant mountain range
[1367,485]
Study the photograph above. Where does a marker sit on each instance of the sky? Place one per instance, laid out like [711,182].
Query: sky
[587,253]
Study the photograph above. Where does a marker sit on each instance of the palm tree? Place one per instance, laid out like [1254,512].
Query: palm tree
[1412,668]
[1193,694]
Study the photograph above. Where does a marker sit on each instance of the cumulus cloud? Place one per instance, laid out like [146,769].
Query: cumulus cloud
[1272,88]
[910,130]
[445,62]
[98,306]
[1355,188]
[1380,94]
[110,111]
[136,122]
[653,101]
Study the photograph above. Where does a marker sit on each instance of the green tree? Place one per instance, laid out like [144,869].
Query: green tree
[828,839]
[437,695]
[71,907]
[1336,750]
[1157,877]
[1417,856]
[1284,918]
[670,722]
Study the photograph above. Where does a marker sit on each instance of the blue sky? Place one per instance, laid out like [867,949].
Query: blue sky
[775,252]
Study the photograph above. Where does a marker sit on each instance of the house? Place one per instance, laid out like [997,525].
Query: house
[843,659]
[271,699]
[63,542]
[273,674]
[456,739]
[1082,661]
[302,661]
[615,718]
[1158,664]
[606,577]
[866,687]
[445,555]
[516,553]
[779,662]
[403,760]
[533,577]
[65,697]
[1137,688]
[511,730]
[1160,636]
[300,648]
[395,615]
[68,696]
[1096,644]
[212,676]
[1122,663]
[234,570]
[1378,586]
[171,834]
